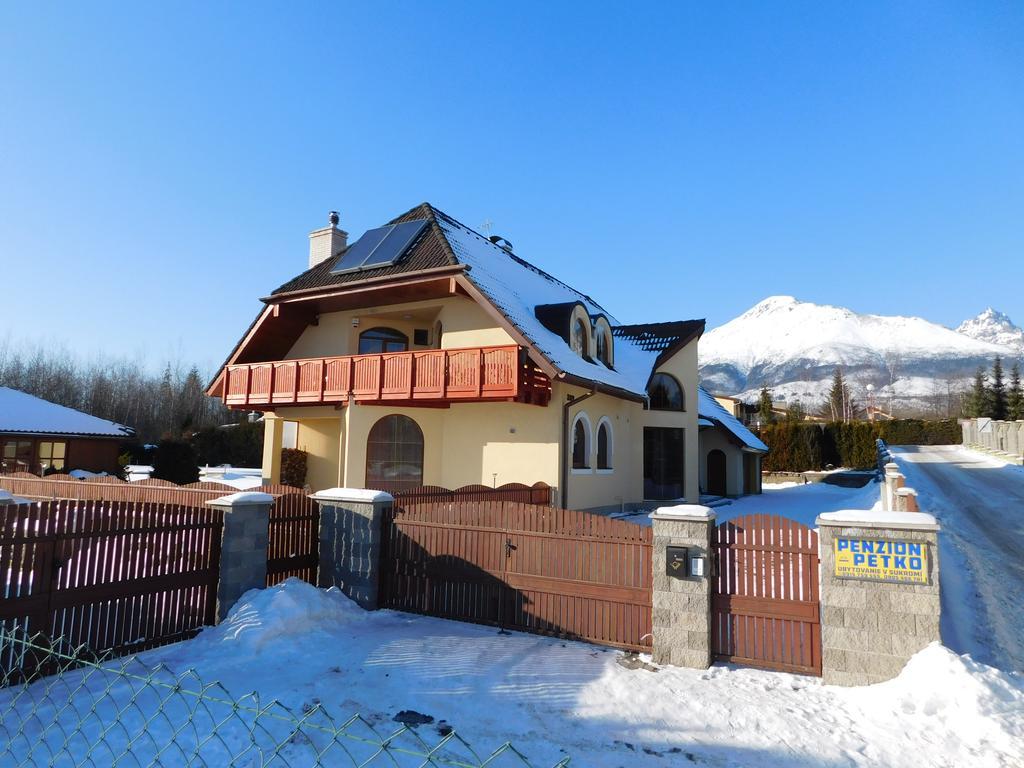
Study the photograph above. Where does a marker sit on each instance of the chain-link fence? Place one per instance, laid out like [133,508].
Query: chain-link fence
[66,707]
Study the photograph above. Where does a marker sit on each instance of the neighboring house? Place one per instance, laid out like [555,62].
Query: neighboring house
[37,435]
[427,354]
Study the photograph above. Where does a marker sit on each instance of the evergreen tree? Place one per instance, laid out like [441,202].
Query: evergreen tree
[977,401]
[764,407]
[840,405]
[796,411]
[997,392]
[1015,397]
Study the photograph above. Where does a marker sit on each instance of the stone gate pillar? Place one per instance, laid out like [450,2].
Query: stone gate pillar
[879,592]
[682,601]
[350,541]
[243,549]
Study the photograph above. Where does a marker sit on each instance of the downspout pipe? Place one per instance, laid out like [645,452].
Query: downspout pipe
[570,401]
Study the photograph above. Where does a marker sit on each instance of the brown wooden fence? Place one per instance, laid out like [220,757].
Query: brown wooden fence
[764,603]
[538,493]
[521,566]
[293,547]
[294,535]
[110,575]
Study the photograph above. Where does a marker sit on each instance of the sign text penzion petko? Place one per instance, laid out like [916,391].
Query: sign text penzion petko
[881,560]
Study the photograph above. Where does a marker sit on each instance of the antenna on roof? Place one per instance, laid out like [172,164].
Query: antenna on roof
[486,226]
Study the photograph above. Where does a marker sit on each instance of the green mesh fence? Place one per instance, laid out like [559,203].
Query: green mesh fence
[68,707]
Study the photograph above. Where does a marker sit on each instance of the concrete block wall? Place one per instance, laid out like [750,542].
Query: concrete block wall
[870,629]
[1002,438]
[682,607]
[350,541]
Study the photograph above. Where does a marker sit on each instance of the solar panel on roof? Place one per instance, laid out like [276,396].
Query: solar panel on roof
[380,247]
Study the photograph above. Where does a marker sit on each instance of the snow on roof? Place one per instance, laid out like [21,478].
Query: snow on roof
[709,408]
[517,288]
[24,414]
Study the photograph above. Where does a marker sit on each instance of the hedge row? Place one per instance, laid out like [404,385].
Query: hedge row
[798,447]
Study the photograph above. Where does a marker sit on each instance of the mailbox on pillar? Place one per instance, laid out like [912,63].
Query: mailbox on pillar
[677,562]
[684,563]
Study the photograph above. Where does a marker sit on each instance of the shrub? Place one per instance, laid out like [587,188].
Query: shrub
[293,467]
[801,447]
[176,461]
[240,445]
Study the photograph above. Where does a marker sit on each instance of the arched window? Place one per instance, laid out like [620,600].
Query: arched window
[394,454]
[603,341]
[605,445]
[581,443]
[376,340]
[665,393]
[580,337]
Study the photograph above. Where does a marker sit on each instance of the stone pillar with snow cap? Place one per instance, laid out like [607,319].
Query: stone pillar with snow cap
[350,541]
[880,600]
[243,549]
[893,480]
[682,585]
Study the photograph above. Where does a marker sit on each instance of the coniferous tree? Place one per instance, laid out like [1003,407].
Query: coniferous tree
[796,411]
[977,401]
[1015,396]
[997,392]
[840,405]
[764,407]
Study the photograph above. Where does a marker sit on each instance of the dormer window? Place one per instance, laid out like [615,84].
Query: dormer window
[603,341]
[580,334]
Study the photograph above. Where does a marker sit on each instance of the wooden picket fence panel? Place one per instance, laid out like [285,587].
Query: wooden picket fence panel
[293,546]
[115,576]
[521,566]
[765,608]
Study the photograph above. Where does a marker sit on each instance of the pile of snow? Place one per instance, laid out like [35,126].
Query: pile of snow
[266,616]
[973,709]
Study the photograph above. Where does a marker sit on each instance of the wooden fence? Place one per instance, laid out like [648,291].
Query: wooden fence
[293,546]
[110,575]
[60,486]
[538,493]
[521,566]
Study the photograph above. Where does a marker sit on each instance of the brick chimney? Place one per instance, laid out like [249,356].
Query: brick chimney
[325,243]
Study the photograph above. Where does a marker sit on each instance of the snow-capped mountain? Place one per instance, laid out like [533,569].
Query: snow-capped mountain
[995,328]
[793,347]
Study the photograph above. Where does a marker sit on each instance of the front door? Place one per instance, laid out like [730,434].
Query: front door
[663,463]
[716,472]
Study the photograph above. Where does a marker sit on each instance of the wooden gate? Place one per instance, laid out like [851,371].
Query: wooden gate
[521,566]
[764,605]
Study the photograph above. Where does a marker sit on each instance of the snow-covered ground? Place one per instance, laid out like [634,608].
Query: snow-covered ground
[979,500]
[551,698]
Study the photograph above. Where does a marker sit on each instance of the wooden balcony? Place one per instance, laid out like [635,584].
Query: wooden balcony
[421,377]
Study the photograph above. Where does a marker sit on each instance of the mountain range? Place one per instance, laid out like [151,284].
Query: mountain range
[901,363]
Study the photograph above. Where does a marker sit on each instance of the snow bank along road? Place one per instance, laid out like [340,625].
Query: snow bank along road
[979,501]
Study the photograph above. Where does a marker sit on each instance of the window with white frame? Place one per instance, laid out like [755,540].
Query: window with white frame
[581,442]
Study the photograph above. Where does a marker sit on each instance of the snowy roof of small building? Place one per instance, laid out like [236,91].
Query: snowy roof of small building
[709,408]
[25,414]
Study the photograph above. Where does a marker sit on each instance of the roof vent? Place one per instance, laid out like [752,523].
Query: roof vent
[501,242]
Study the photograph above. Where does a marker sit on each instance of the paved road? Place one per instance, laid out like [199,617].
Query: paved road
[980,504]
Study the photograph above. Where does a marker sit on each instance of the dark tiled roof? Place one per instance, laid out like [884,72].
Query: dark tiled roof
[659,337]
[429,251]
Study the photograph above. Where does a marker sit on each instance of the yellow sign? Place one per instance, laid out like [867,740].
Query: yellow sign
[881,560]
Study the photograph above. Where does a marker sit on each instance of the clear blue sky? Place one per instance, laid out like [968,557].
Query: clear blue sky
[161,166]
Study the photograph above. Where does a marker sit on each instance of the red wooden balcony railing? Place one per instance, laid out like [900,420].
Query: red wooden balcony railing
[438,375]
